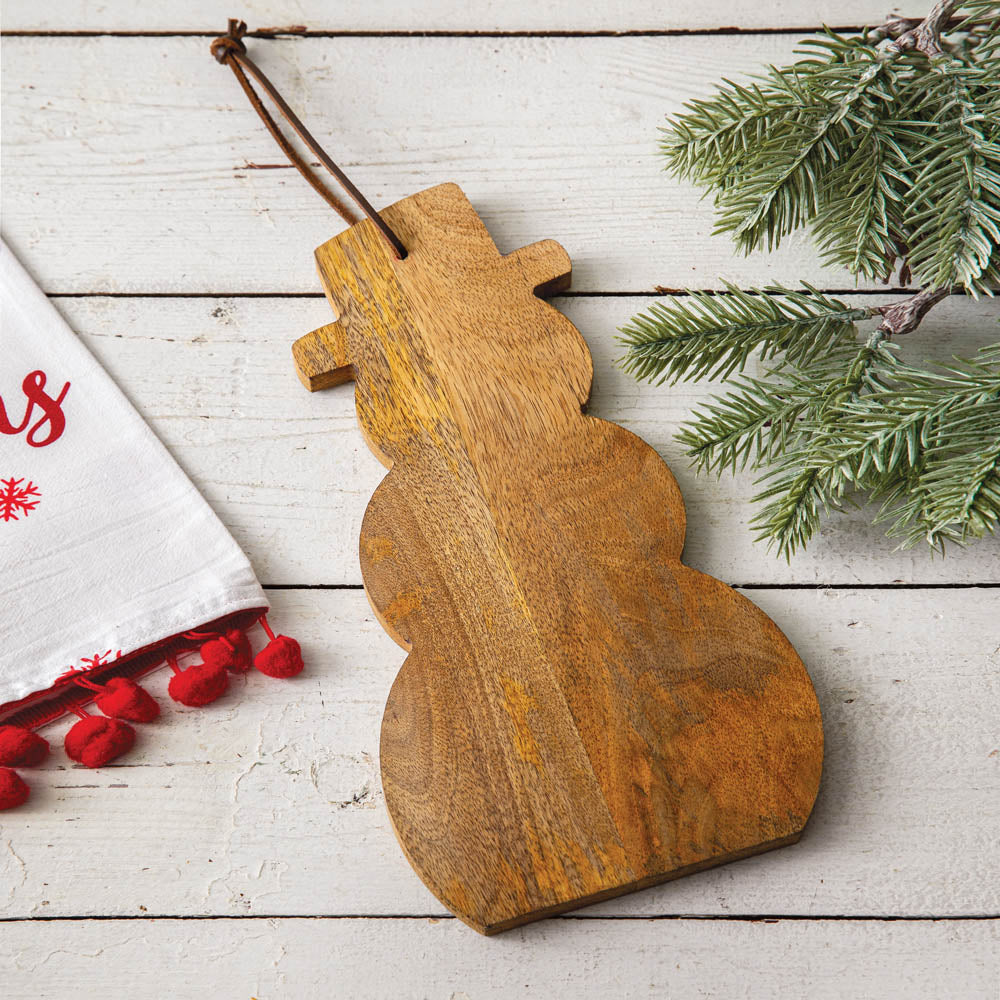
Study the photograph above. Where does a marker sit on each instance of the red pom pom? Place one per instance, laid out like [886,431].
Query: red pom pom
[124,699]
[21,747]
[13,790]
[199,685]
[231,651]
[281,657]
[93,741]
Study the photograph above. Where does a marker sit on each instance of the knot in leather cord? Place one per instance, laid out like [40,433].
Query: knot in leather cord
[230,42]
[229,50]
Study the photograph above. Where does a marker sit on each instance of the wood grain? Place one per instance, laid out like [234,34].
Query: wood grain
[154,173]
[270,802]
[580,715]
[235,417]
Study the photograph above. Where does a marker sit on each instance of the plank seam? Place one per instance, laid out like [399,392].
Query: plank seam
[983,585]
[649,293]
[728,917]
[441,33]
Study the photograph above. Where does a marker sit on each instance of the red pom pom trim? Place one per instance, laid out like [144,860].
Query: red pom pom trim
[14,791]
[94,740]
[230,651]
[124,699]
[198,685]
[281,657]
[21,747]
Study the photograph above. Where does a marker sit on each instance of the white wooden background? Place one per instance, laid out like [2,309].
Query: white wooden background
[243,850]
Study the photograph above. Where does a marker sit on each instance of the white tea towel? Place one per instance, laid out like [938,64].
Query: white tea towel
[105,544]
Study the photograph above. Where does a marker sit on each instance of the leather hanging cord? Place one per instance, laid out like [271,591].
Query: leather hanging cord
[229,50]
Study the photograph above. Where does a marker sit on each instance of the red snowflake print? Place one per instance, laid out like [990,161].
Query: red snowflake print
[17,499]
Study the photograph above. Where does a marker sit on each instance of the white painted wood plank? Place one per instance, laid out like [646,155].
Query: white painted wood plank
[437,15]
[125,160]
[394,959]
[270,802]
[290,474]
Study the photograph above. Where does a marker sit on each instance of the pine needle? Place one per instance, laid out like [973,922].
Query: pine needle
[886,143]
[707,335]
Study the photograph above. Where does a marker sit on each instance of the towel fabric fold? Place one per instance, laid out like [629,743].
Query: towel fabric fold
[106,547]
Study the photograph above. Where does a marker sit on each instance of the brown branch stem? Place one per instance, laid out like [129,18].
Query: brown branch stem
[924,36]
[902,35]
[904,317]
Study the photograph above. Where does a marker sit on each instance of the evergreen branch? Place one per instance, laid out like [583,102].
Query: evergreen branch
[860,220]
[746,427]
[807,483]
[961,481]
[779,189]
[927,442]
[708,335]
[889,144]
[703,144]
[903,503]
[981,18]
[957,478]
[956,223]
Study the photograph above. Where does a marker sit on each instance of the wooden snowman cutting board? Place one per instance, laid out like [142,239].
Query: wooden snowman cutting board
[580,714]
